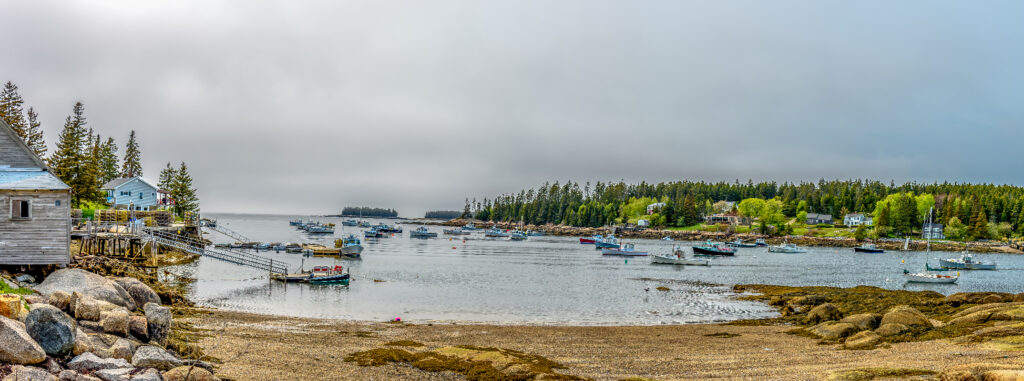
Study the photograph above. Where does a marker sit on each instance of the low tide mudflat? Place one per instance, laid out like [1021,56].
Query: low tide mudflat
[315,349]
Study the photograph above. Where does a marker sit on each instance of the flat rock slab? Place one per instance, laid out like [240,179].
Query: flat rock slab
[88,284]
[89,362]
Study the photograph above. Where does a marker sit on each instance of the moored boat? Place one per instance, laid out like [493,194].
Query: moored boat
[868,248]
[710,248]
[608,242]
[455,232]
[740,243]
[328,275]
[422,232]
[372,233]
[926,277]
[590,240]
[350,246]
[786,248]
[496,233]
[760,242]
[966,262]
[677,258]
[534,233]
[627,250]
[517,236]
[350,223]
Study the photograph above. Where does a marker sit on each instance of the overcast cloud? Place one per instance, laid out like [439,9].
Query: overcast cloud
[306,107]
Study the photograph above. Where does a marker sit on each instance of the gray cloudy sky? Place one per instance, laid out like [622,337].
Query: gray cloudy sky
[306,107]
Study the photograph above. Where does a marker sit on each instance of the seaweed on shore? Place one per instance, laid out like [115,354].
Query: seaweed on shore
[474,362]
[866,374]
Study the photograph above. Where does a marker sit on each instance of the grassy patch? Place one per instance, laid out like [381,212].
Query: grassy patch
[404,343]
[663,288]
[6,289]
[474,362]
[723,335]
[865,374]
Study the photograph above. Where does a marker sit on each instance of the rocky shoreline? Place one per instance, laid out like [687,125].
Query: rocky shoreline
[696,235]
[78,325]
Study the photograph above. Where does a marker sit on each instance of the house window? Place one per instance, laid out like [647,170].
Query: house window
[56,203]
[21,209]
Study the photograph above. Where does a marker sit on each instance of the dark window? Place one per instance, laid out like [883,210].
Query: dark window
[21,209]
[56,203]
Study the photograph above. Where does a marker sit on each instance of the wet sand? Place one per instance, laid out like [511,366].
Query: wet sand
[283,348]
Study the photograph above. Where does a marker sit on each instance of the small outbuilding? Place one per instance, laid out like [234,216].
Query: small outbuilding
[36,227]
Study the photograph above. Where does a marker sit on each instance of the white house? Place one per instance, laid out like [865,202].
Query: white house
[134,192]
[933,231]
[655,207]
[857,219]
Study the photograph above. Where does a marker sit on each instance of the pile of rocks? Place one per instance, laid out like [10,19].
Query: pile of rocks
[866,330]
[84,326]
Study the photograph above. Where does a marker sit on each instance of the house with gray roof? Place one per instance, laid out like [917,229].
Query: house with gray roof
[134,193]
[36,226]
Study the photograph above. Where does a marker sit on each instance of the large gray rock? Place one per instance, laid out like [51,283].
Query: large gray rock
[140,292]
[148,356]
[833,330]
[17,346]
[863,321]
[906,315]
[123,349]
[53,329]
[159,319]
[89,362]
[863,340]
[115,322]
[93,309]
[823,312]
[88,284]
[70,375]
[28,373]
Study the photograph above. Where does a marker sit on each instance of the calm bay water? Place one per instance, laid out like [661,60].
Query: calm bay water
[545,280]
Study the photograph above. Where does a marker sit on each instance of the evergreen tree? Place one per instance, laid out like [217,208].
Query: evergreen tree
[34,134]
[132,158]
[184,195]
[689,212]
[167,176]
[108,161]
[979,229]
[466,210]
[71,161]
[11,109]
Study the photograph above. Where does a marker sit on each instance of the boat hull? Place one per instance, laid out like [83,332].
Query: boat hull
[866,250]
[678,261]
[783,250]
[330,279]
[352,250]
[587,241]
[697,250]
[624,253]
[605,245]
[958,265]
[913,278]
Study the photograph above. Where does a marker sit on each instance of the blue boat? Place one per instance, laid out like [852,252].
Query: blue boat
[350,246]
[319,228]
[533,233]
[327,275]
[709,248]
[350,223]
[422,232]
[373,233]
[297,222]
[517,236]
[495,233]
[609,242]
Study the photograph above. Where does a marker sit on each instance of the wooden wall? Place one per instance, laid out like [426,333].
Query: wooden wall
[42,240]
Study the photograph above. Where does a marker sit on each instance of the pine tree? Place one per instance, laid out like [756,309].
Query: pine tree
[167,176]
[466,210]
[11,109]
[979,229]
[108,161]
[34,134]
[185,199]
[70,162]
[132,158]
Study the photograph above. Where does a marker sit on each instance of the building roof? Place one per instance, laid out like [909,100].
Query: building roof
[35,179]
[13,139]
[819,216]
[113,184]
[855,215]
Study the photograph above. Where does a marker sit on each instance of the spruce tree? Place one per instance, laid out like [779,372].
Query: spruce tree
[132,158]
[185,199]
[108,161]
[979,229]
[11,109]
[70,162]
[34,134]
[167,176]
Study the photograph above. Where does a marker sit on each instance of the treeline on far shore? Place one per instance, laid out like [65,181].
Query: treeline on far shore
[969,209]
[443,214]
[365,211]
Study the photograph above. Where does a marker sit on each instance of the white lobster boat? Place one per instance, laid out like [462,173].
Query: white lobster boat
[667,259]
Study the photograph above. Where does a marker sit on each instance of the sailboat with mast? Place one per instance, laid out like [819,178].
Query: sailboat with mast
[927,276]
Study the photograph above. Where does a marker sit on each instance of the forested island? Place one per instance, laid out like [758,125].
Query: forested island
[365,211]
[968,211]
[443,214]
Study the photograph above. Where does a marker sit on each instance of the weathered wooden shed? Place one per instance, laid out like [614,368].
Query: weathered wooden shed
[35,207]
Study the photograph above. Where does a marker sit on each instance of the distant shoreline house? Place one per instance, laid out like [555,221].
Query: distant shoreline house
[932,230]
[135,193]
[857,219]
[719,218]
[651,209]
[816,218]
[36,229]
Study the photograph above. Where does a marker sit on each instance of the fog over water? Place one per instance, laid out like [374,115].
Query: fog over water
[306,107]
